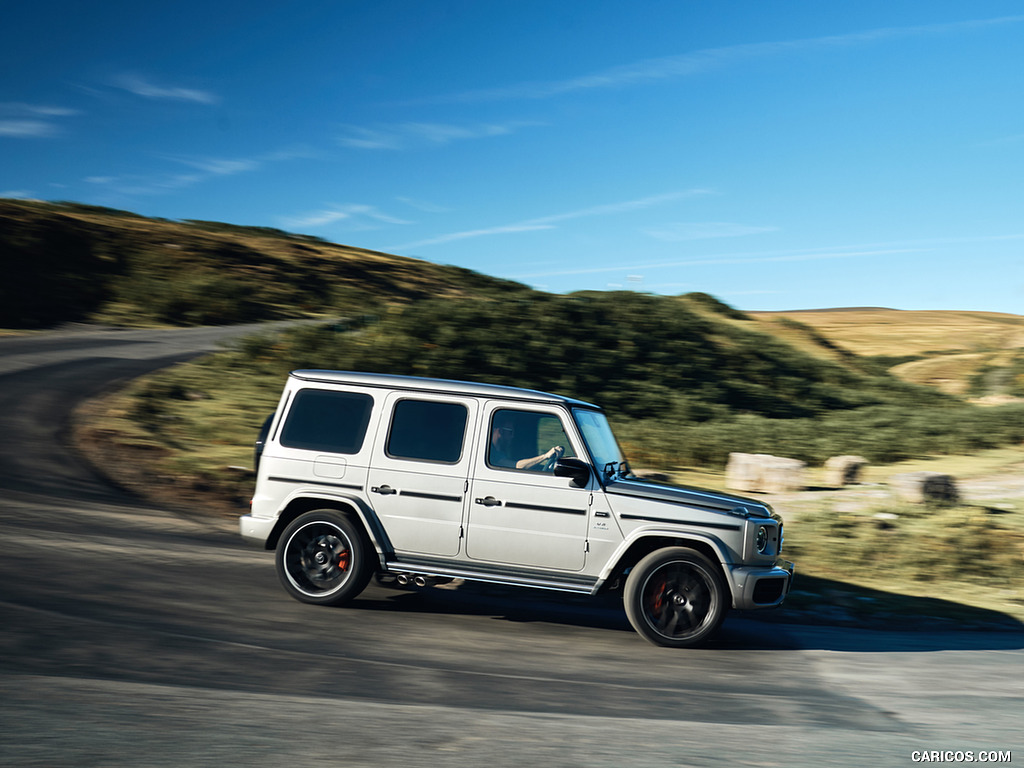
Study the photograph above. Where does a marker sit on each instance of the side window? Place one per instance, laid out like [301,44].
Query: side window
[526,441]
[324,420]
[426,430]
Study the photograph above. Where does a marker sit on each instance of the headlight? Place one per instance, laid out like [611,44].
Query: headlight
[761,540]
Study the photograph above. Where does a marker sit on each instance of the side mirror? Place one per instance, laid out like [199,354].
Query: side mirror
[577,469]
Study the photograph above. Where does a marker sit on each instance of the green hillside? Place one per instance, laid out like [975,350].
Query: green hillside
[66,262]
[686,379]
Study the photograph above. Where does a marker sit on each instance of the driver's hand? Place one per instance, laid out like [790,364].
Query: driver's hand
[556,452]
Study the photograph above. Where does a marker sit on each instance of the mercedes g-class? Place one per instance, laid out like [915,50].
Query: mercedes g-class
[426,480]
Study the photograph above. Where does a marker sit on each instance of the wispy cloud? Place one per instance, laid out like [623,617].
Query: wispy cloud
[549,222]
[359,216]
[27,129]
[17,194]
[222,167]
[608,209]
[19,120]
[733,260]
[140,185]
[142,87]
[505,229]
[423,205]
[204,169]
[681,232]
[41,110]
[695,62]
[409,135]
[370,138]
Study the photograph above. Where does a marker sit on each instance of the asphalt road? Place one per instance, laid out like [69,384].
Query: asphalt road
[137,636]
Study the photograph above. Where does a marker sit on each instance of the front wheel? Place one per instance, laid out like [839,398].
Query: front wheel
[323,558]
[675,597]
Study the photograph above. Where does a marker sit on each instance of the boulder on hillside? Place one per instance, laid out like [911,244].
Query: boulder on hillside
[843,470]
[926,487]
[765,473]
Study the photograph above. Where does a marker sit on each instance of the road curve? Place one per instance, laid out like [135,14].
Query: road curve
[133,636]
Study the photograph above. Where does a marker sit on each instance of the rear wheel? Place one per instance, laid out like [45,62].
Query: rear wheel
[324,558]
[675,597]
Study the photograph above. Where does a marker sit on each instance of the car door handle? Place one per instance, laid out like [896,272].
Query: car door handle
[385,490]
[490,501]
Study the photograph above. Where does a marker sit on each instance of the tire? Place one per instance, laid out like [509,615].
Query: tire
[324,558]
[675,597]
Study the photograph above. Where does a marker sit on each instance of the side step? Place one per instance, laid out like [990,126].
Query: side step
[585,585]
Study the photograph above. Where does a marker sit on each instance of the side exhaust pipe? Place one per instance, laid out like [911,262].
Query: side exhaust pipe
[419,580]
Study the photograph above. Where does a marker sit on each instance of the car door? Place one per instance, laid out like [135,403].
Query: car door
[519,513]
[420,469]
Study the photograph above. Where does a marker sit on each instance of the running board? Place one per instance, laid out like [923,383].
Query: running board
[583,585]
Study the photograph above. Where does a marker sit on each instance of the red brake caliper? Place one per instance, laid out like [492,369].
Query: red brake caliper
[343,561]
[659,595]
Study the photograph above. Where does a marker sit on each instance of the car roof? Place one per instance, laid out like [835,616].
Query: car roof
[441,386]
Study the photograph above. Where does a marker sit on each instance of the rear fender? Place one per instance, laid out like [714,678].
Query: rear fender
[301,502]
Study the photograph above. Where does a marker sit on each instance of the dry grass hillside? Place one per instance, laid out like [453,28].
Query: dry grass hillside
[973,354]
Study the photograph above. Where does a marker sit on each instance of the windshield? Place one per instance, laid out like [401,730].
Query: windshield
[601,442]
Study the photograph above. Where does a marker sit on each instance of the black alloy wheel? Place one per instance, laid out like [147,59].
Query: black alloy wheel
[675,597]
[323,558]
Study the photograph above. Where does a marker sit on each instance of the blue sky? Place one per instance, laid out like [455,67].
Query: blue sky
[778,155]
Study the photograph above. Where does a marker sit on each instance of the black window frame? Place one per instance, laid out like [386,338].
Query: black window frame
[417,459]
[297,402]
[539,413]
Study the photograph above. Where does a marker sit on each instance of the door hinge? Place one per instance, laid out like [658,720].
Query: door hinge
[586,545]
[465,487]
[462,532]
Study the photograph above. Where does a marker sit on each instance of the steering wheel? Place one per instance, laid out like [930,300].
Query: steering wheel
[549,463]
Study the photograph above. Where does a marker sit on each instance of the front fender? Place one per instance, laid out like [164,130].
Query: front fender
[678,538]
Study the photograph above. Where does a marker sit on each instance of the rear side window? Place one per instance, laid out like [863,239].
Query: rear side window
[323,420]
[426,430]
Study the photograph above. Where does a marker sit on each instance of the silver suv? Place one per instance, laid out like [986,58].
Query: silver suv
[423,480]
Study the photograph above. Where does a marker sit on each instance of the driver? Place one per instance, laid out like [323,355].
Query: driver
[502,434]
